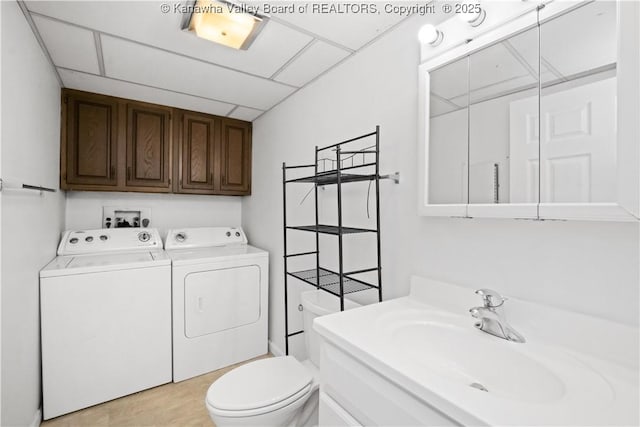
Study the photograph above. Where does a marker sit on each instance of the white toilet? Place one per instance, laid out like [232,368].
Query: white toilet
[279,391]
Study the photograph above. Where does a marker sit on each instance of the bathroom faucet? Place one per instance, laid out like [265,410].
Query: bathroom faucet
[491,316]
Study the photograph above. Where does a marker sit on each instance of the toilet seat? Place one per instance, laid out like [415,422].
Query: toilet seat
[260,387]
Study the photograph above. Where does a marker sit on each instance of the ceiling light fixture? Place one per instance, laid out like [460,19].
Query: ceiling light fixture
[429,34]
[472,13]
[231,24]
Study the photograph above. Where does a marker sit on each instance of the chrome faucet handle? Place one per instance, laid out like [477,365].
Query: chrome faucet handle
[491,298]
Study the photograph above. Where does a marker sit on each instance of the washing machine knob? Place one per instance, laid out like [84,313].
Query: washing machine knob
[237,234]
[181,237]
[144,236]
[73,240]
[228,234]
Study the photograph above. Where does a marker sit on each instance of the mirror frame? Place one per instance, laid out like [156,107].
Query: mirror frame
[627,206]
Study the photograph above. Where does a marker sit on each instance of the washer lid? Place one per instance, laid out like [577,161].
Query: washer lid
[258,384]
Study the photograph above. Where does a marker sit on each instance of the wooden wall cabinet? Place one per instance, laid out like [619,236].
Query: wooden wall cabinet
[214,155]
[235,157]
[197,153]
[148,145]
[89,142]
[114,144]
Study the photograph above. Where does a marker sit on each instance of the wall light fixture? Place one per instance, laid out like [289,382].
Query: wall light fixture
[472,13]
[429,34]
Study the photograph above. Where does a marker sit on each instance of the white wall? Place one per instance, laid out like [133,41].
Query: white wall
[84,209]
[589,267]
[31,223]
[0,224]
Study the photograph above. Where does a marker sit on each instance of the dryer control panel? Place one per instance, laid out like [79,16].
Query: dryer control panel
[109,240]
[204,237]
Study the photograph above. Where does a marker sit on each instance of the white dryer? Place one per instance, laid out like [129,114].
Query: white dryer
[105,309]
[220,299]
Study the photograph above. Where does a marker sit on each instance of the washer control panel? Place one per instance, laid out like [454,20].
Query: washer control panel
[203,237]
[77,242]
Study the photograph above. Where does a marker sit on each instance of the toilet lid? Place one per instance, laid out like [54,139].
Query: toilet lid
[258,384]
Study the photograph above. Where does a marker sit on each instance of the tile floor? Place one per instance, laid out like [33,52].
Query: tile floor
[180,404]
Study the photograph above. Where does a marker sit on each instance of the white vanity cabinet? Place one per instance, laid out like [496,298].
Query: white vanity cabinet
[533,114]
[353,394]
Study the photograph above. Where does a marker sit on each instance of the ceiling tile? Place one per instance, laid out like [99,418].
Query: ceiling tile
[106,86]
[140,64]
[69,46]
[589,39]
[352,30]
[144,22]
[244,113]
[315,60]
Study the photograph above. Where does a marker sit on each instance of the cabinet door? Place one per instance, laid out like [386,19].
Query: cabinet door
[91,141]
[148,140]
[235,158]
[197,153]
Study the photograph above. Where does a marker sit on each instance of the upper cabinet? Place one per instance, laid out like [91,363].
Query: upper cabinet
[235,157]
[197,153]
[113,144]
[89,141]
[148,146]
[536,118]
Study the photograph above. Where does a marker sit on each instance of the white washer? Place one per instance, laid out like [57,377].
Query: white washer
[220,299]
[105,310]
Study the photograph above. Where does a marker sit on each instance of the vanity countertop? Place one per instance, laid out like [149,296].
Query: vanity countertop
[572,370]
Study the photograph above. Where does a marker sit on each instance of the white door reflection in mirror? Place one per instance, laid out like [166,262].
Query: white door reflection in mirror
[523,145]
[578,106]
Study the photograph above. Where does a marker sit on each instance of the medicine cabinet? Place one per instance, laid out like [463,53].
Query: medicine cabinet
[535,118]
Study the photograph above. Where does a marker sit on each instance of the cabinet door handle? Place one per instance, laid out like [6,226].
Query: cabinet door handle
[128,173]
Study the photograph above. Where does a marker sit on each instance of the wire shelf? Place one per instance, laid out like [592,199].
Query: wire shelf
[330,229]
[329,178]
[330,281]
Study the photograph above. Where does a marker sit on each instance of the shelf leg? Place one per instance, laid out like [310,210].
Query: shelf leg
[378,211]
[284,228]
[340,254]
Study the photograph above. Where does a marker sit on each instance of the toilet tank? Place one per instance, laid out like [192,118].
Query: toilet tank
[318,303]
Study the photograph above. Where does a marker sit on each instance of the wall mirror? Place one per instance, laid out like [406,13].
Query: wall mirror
[530,120]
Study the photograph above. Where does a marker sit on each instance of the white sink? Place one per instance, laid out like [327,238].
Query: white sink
[450,347]
[572,369]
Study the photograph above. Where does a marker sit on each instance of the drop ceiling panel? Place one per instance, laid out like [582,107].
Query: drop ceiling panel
[494,65]
[451,80]
[244,113]
[69,46]
[92,83]
[438,107]
[588,35]
[352,30]
[144,22]
[133,62]
[315,60]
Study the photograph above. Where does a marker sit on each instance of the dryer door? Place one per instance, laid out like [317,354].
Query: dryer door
[217,300]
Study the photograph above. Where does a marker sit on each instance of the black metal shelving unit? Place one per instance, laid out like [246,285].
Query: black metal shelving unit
[338,283]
